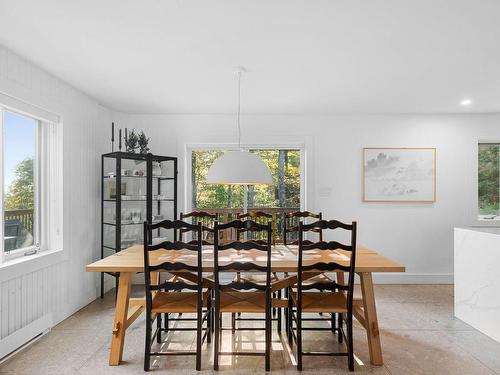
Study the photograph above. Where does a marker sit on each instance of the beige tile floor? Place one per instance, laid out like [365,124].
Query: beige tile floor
[418,330]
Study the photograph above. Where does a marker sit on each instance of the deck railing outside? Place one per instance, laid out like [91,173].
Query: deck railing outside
[25,217]
[18,228]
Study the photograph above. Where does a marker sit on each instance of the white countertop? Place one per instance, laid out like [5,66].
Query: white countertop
[477,278]
[492,230]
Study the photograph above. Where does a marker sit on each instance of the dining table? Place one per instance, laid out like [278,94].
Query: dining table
[284,260]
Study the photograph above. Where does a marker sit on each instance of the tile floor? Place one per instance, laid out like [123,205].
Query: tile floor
[418,330]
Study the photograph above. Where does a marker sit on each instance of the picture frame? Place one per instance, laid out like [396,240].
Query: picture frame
[399,175]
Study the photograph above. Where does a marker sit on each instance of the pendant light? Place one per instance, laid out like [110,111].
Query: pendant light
[239,167]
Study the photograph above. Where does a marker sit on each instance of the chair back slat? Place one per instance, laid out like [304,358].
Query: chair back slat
[322,245]
[172,224]
[199,215]
[245,224]
[243,245]
[321,266]
[174,286]
[203,242]
[175,245]
[324,224]
[242,266]
[304,214]
[255,215]
[242,285]
[173,266]
[321,286]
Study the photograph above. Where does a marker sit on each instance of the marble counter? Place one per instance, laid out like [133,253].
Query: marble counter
[477,278]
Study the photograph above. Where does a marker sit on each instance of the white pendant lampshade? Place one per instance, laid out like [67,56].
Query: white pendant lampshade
[239,168]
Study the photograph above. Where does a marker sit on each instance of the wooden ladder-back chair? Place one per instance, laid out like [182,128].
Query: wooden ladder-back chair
[291,225]
[259,217]
[241,296]
[207,220]
[291,229]
[169,297]
[338,297]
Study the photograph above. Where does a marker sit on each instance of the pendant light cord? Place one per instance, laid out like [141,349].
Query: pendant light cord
[239,110]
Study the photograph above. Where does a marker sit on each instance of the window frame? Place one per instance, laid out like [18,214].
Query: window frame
[480,218]
[48,198]
[189,148]
[13,254]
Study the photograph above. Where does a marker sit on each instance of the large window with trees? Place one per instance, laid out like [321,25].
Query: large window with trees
[30,180]
[284,192]
[489,181]
[20,202]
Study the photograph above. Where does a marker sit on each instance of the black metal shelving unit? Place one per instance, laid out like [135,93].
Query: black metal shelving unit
[135,188]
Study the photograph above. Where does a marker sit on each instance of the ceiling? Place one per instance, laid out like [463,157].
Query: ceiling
[302,56]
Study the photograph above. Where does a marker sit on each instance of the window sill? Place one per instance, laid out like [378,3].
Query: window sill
[26,264]
[488,218]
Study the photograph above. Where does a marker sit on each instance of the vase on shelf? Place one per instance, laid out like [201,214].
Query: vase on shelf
[156,168]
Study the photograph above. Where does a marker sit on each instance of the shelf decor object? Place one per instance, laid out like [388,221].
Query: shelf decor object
[131,141]
[135,188]
[142,142]
[399,175]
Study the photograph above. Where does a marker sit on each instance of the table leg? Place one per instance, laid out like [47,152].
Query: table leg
[121,312]
[371,322]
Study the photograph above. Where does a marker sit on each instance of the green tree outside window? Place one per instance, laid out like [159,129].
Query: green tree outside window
[284,192]
[20,193]
[489,178]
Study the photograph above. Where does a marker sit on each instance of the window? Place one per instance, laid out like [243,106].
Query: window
[20,200]
[30,180]
[489,181]
[283,193]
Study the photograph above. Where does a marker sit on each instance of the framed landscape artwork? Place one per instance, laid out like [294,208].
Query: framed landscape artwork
[399,175]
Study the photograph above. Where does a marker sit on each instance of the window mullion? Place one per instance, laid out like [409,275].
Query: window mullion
[498,164]
[2,254]
[37,187]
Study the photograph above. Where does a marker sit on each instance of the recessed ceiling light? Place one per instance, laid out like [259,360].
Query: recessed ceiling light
[466,102]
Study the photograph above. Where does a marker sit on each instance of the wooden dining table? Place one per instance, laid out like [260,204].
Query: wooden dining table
[283,260]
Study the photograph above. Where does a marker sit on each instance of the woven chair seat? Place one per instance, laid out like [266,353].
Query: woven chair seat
[244,302]
[177,302]
[322,302]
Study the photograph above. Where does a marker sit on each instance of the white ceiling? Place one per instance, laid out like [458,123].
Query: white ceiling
[307,56]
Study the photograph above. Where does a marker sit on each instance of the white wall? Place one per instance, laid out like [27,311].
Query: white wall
[419,236]
[50,290]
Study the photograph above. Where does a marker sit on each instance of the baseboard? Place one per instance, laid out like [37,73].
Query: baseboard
[412,278]
[20,337]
